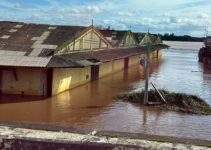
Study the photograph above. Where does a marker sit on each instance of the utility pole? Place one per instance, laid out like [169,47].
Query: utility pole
[147,64]
[147,42]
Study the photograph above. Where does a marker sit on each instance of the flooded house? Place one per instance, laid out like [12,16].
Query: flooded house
[45,60]
[205,52]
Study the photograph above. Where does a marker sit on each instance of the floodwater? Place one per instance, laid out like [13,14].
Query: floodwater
[94,105]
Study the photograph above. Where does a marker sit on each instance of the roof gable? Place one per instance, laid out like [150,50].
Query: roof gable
[116,37]
[88,39]
[62,34]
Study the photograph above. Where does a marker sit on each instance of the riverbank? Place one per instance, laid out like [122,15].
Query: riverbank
[15,136]
[179,102]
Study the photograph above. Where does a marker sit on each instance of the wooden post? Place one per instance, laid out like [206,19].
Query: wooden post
[161,96]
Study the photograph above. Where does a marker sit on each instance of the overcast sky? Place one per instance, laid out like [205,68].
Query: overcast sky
[159,16]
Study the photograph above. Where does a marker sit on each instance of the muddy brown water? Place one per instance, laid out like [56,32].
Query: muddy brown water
[94,105]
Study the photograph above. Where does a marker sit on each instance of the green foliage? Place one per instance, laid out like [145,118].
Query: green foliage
[172,37]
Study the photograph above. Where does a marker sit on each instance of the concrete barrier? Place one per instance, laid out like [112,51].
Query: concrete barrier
[23,138]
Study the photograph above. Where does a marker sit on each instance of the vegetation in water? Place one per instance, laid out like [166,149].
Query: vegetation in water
[175,101]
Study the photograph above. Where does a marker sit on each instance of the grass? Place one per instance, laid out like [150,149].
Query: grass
[175,101]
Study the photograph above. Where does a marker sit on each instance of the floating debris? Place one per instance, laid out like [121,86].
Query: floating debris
[175,101]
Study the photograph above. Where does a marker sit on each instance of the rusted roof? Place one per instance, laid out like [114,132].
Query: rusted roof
[63,34]
[34,38]
[23,44]
[102,55]
[62,62]
[33,45]
[23,61]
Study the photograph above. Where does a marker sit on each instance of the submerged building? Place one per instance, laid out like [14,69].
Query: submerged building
[45,60]
[205,52]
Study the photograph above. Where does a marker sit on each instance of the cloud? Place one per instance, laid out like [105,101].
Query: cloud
[93,9]
[126,14]
[18,5]
[87,11]
[203,16]
[180,17]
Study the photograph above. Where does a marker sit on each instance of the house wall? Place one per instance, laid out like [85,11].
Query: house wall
[33,81]
[68,78]
[135,60]
[156,54]
[30,81]
[160,53]
[118,65]
[106,69]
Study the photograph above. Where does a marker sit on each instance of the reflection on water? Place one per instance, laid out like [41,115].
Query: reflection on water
[93,106]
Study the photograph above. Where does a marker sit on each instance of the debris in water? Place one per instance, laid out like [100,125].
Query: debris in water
[175,101]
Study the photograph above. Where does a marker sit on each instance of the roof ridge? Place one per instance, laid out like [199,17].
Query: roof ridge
[44,24]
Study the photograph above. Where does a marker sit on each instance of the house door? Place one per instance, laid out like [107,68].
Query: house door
[94,72]
[126,62]
[49,82]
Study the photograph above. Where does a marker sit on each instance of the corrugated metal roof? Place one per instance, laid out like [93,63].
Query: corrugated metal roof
[87,63]
[30,45]
[62,62]
[24,61]
[33,38]
[103,55]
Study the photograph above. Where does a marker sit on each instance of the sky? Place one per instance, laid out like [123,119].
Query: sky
[181,17]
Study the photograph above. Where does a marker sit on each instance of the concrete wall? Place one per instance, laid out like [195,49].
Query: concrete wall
[68,78]
[111,67]
[105,69]
[160,53]
[118,65]
[135,60]
[30,81]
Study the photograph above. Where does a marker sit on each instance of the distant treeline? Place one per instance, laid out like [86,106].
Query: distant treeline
[172,37]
